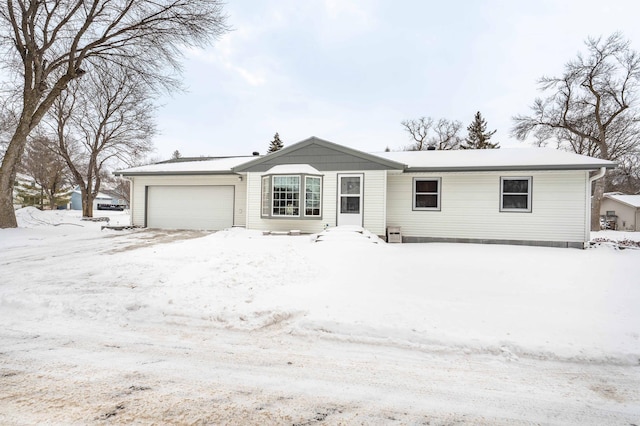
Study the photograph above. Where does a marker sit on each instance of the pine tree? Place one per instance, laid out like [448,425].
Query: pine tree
[176,155]
[478,137]
[276,144]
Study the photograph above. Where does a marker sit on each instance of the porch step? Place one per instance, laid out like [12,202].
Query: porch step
[346,233]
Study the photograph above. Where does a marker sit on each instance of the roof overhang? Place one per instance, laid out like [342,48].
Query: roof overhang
[528,167]
[176,173]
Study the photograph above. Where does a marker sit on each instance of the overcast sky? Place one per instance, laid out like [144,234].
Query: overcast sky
[351,71]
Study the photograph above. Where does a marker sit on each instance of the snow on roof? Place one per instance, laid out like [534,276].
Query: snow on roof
[100,195]
[632,200]
[214,166]
[494,159]
[294,169]
[450,160]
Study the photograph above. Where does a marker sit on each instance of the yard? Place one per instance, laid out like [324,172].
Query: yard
[235,327]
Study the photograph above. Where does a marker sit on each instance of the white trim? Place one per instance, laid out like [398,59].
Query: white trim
[319,215]
[529,180]
[437,194]
[273,177]
[356,219]
[268,196]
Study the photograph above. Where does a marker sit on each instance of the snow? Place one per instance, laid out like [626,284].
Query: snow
[514,158]
[452,160]
[293,168]
[217,165]
[631,200]
[236,327]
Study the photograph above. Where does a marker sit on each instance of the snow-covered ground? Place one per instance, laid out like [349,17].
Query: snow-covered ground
[235,327]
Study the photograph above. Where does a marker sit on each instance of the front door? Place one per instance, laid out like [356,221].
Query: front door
[350,199]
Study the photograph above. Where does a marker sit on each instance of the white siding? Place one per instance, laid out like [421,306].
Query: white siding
[140,182]
[373,210]
[470,207]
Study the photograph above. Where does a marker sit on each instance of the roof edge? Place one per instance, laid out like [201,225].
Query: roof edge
[620,201]
[511,168]
[177,173]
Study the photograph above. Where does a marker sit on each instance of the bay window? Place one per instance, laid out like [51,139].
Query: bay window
[291,196]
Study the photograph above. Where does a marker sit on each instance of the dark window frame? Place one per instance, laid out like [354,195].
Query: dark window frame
[437,193]
[528,194]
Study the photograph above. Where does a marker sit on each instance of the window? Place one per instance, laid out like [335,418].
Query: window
[515,194]
[284,196]
[266,191]
[312,194]
[426,194]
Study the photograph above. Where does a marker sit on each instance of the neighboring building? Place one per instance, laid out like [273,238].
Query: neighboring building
[621,210]
[106,200]
[514,196]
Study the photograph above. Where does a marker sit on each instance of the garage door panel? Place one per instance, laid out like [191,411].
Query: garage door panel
[190,207]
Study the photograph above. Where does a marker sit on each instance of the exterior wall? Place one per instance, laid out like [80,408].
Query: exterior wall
[323,156]
[138,184]
[76,201]
[626,214]
[470,208]
[373,204]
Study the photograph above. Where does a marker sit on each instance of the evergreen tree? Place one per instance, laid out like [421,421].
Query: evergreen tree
[478,137]
[276,144]
[176,155]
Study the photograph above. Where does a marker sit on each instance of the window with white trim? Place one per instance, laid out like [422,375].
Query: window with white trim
[515,194]
[266,191]
[312,196]
[284,196]
[426,193]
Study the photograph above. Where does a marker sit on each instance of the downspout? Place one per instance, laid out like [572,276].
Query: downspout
[587,229]
[130,198]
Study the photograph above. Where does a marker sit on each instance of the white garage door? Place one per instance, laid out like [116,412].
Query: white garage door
[190,207]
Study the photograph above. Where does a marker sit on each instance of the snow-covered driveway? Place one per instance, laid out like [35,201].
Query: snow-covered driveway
[239,328]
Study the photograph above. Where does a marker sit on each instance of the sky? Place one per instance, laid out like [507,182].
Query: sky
[351,71]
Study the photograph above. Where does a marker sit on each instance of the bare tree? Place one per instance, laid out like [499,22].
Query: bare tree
[50,43]
[446,134]
[46,168]
[419,132]
[591,109]
[106,118]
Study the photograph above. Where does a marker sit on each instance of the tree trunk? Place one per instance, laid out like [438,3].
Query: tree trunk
[52,200]
[87,203]
[598,193]
[8,171]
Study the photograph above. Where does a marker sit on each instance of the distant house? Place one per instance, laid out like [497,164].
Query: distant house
[531,196]
[106,200]
[622,210]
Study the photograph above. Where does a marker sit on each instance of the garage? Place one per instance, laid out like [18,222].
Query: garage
[190,207]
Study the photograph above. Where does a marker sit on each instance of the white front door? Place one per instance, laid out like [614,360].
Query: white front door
[350,199]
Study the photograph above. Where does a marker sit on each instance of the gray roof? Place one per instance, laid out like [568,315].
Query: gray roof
[327,156]
[502,159]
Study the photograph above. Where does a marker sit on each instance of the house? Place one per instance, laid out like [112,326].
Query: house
[516,196]
[621,210]
[105,200]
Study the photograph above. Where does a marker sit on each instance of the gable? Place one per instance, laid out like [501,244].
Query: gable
[323,156]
